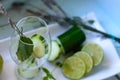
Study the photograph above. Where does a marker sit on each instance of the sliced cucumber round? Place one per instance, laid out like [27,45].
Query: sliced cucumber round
[56,51]
[40,46]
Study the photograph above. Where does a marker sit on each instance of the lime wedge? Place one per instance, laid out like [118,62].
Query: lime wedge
[95,51]
[74,67]
[1,63]
[87,60]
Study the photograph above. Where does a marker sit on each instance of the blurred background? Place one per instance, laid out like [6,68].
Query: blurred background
[106,11]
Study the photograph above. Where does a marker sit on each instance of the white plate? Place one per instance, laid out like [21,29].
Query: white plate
[109,67]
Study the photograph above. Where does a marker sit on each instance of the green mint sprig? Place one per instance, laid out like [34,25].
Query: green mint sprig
[24,51]
[48,76]
[59,64]
[25,45]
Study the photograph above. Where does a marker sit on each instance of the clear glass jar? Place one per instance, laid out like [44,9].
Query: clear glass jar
[29,67]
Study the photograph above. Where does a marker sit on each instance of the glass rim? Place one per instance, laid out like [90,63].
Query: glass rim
[39,18]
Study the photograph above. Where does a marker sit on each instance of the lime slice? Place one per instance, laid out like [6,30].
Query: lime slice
[95,51]
[87,60]
[1,63]
[74,67]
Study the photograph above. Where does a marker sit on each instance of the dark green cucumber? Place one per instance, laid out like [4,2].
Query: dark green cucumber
[72,38]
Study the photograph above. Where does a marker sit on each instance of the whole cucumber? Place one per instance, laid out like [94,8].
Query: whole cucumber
[72,38]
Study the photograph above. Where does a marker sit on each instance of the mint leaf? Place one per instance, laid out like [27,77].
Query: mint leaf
[48,74]
[91,21]
[46,78]
[24,50]
[59,64]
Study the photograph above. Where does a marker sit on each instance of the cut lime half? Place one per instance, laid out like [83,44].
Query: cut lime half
[87,60]
[95,52]
[74,68]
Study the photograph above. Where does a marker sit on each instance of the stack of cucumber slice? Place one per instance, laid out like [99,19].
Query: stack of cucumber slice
[82,62]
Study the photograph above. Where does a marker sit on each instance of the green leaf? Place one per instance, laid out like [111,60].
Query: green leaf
[91,21]
[24,50]
[46,78]
[46,70]
[48,74]
[59,64]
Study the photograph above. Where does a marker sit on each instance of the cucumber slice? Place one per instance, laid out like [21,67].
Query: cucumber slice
[40,46]
[95,52]
[56,51]
[86,58]
[74,68]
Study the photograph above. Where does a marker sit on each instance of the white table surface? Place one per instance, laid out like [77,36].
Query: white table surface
[107,12]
